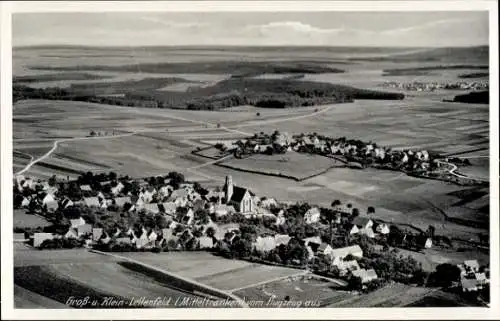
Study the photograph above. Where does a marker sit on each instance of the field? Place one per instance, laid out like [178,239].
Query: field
[291,165]
[298,289]
[400,295]
[142,142]
[23,220]
[212,270]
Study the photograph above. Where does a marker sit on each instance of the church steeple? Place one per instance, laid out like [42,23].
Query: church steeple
[228,188]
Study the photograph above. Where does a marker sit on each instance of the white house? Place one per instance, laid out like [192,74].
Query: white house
[312,215]
[115,190]
[38,238]
[339,254]
[48,198]
[265,244]
[365,275]
[77,222]
[383,228]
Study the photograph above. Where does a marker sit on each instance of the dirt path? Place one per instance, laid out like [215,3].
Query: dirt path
[56,144]
[269,281]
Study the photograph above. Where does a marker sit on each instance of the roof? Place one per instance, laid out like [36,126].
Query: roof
[121,201]
[469,283]
[85,228]
[323,247]
[238,194]
[206,241]
[91,201]
[265,243]
[178,193]
[313,210]
[97,233]
[86,188]
[361,221]
[19,236]
[152,207]
[313,239]
[472,264]
[169,207]
[77,222]
[365,274]
[282,239]
[345,251]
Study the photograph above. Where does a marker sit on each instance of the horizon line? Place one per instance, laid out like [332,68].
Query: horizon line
[234,46]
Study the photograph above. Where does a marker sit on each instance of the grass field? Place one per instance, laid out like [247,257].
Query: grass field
[297,289]
[21,219]
[212,270]
[292,164]
[396,295]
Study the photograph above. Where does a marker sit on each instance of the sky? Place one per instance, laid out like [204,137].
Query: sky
[394,29]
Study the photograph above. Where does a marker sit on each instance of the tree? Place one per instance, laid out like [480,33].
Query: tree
[355,283]
[241,248]
[445,275]
[355,212]
[431,231]
[371,210]
[175,179]
[336,203]
[52,180]
[210,232]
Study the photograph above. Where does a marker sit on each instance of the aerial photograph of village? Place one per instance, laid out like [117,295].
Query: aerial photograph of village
[251,160]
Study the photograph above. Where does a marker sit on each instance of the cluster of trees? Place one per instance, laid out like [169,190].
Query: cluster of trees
[61,243]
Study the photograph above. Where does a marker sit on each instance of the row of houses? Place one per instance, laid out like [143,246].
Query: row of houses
[471,279]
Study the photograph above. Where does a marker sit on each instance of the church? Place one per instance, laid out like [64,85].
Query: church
[240,198]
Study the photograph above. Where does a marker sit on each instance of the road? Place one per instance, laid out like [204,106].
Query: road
[65,140]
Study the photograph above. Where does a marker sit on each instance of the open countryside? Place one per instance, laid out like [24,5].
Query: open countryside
[334,177]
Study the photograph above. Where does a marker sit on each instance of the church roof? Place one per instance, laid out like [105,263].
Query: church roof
[238,194]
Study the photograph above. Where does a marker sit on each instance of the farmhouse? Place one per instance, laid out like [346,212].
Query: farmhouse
[339,254]
[363,222]
[325,249]
[77,222]
[471,266]
[151,208]
[91,201]
[383,228]
[115,190]
[52,206]
[264,244]
[97,233]
[312,216]
[38,238]
[205,242]
[365,275]
[121,201]
[19,237]
[168,208]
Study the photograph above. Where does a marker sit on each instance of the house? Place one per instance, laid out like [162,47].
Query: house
[66,202]
[121,201]
[151,208]
[165,191]
[347,266]
[142,240]
[188,218]
[178,194]
[52,206]
[97,233]
[312,215]
[240,198]
[264,244]
[84,229]
[223,210]
[147,195]
[168,208]
[280,218]
[221,231]
[324,249]
[425,242]
[339,254]
[312,239]
[481,278]
[365,275]
[115,190]
[48,198]
[383,228]
[85,188]
[471,266]
[368,232]
[72,233]
[362,222]
[282,239]
[205,242]
[77,222]
[25,202]
[19,237]
[353,229]
[39,238]
[91,201]
[123,240]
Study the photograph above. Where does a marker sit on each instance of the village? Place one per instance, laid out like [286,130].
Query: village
[119,214]
[433,86]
